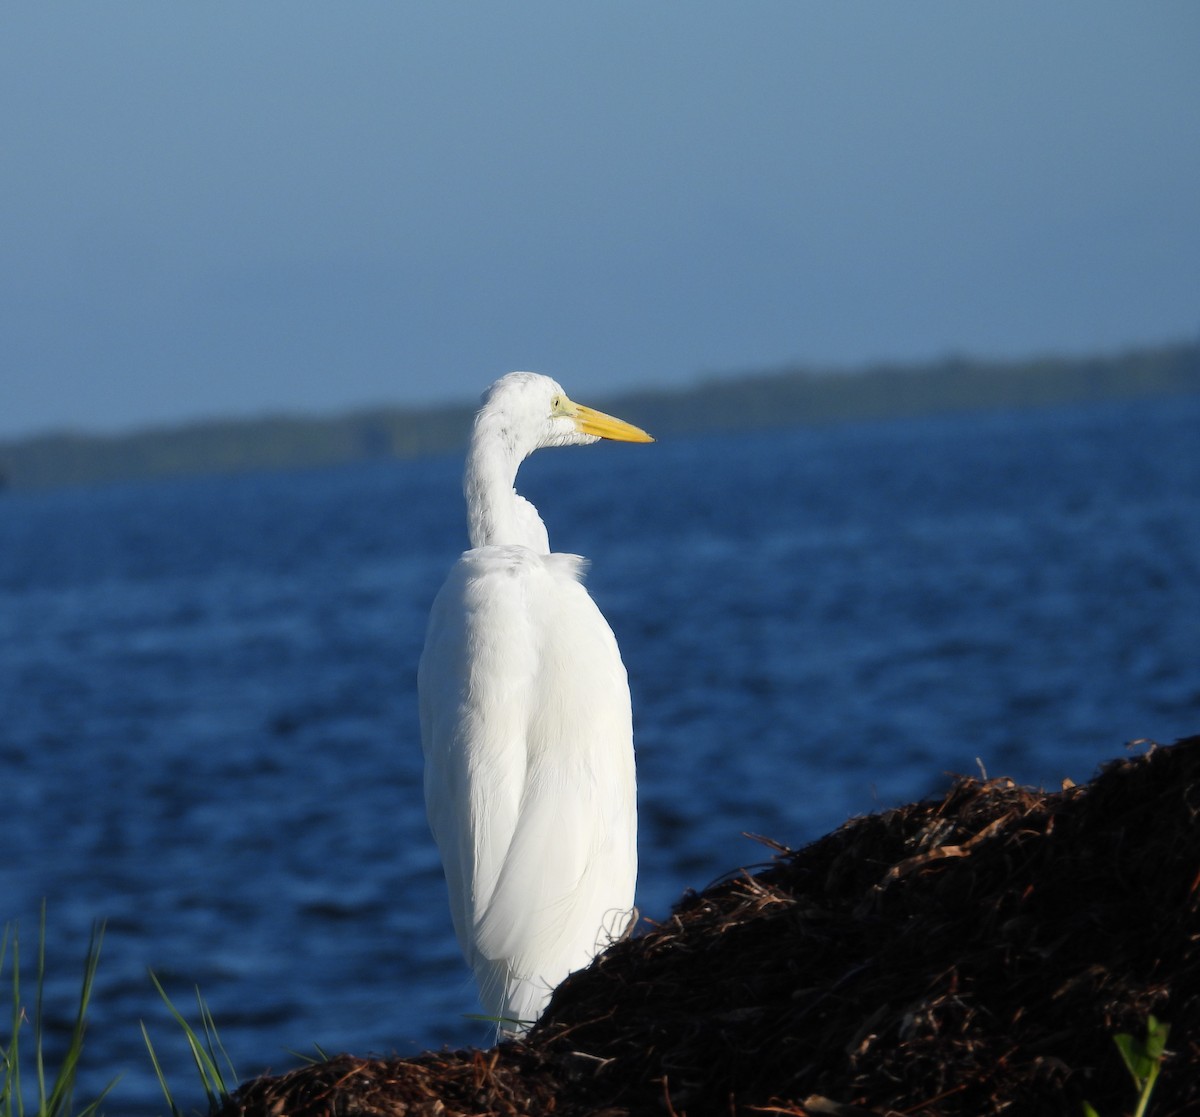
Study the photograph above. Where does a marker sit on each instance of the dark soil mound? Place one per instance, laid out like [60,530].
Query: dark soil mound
[973,955]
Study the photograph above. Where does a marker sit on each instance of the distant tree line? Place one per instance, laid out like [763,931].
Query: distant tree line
[794,397]
[786,397]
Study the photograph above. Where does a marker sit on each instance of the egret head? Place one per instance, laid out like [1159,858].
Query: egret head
[530,412]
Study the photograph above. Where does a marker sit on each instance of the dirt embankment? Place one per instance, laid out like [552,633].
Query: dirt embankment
[968,956]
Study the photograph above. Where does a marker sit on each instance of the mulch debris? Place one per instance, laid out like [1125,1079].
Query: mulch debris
[972,955]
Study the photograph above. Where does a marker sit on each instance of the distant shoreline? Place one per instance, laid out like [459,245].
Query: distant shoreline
[754,400]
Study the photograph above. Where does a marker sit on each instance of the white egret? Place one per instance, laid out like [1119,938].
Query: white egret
[526,724]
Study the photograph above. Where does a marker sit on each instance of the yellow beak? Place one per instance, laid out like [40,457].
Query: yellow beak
[590,421]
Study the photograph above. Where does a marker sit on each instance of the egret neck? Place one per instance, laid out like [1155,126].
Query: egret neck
[496,514]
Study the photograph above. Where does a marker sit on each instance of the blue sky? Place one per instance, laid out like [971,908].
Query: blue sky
[231,209]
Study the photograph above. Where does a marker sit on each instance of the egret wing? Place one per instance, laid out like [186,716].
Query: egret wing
[529,779]
[566,884]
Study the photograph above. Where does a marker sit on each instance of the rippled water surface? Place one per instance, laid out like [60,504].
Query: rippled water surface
[208,732]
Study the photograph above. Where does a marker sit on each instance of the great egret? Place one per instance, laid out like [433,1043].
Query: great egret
[526,724]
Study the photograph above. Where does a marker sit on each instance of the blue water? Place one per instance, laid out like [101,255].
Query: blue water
[208,732]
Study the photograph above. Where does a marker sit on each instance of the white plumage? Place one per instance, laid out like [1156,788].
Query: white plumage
[526,724]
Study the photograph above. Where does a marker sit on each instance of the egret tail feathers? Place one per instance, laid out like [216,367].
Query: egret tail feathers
[513,1002]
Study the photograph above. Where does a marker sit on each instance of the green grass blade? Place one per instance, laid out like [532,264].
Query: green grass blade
[214,1047]
[158,1073]
[311,1060]
[54,1099]
[14,1106]
[204,1052]
[5,1074]
[199,1056]
[59,1102]
[38,1061]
